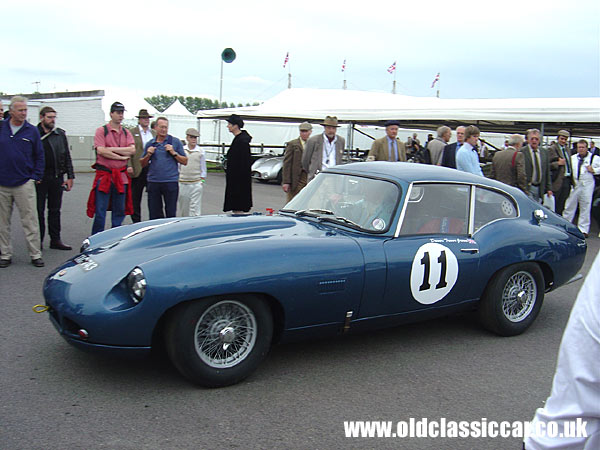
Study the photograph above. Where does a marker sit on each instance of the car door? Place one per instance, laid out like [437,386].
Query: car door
[431,261]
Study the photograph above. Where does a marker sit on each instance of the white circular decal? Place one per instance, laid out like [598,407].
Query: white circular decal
[433,274]
[378,224]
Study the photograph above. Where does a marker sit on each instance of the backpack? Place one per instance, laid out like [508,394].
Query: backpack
[106,131]
[422,156]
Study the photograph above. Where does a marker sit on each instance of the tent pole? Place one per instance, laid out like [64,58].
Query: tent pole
[542,134]
[351,136]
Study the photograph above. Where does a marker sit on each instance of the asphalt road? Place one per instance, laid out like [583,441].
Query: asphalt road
[54,396]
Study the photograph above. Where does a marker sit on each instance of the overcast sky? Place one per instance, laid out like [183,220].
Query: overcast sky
[513,48]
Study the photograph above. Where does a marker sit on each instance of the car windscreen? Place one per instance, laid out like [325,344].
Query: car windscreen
[359,202]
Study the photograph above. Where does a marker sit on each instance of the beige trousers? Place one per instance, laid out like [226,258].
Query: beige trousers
[24,197]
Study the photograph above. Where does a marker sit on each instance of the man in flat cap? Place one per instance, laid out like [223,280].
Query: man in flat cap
[324,150]
[191,177]
[142,134]
[112,185]
[293,177]
[388,148]
[560,170]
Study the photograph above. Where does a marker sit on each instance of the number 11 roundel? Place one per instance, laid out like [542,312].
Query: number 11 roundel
[433,274]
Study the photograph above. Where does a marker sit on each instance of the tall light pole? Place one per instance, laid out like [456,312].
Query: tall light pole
[228,56]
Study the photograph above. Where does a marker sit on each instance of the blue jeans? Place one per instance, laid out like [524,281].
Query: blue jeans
[118,208]
[157,192]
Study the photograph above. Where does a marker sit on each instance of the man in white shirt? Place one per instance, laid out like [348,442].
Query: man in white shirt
[142,134]
[575,392]
[323,150]
[584,166]
[191,177]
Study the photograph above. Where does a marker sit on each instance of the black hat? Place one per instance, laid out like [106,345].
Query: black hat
[117,106]
[143,114]
[234,119]
[389,123]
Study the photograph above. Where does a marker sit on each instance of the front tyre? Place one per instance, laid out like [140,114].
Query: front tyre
[512,299]
[219,341]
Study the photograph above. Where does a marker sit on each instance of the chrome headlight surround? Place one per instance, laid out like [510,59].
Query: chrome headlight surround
[136,283]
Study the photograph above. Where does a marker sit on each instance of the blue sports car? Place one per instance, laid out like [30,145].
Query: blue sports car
[363,246]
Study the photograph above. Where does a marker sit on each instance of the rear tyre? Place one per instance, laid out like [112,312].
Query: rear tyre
[512,299]
[219,341]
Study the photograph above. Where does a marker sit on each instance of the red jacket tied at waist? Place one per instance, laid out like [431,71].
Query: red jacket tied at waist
[108,177]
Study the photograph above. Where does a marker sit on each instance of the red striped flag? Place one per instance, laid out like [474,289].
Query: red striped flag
[436,79]
[287,58]
[392,68]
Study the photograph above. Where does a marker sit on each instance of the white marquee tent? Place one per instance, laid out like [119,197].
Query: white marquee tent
[579,115]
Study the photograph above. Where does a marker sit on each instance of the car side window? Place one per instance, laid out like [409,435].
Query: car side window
[437,209]
[492,205]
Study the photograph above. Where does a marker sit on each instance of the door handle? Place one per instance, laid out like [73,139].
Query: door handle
[469,250]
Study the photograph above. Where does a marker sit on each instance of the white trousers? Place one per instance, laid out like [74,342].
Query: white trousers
[580,195]
[189,202]
[24,198]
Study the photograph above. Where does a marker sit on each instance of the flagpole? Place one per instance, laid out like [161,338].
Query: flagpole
[289,75]
[344,86]
[394,84]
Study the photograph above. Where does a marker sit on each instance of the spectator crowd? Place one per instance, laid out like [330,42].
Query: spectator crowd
[37,169]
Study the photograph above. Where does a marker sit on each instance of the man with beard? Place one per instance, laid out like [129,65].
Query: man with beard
[142,134]
[50,188]
[324,150]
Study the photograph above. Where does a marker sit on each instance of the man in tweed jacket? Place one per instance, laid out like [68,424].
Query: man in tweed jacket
[293,177]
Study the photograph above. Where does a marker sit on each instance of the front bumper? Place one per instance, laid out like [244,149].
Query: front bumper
[65,329]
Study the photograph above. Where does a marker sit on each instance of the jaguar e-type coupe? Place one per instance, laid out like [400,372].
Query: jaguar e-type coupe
[362,246]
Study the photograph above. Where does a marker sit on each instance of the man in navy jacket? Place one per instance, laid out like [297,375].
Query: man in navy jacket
[449,152]
[22,157]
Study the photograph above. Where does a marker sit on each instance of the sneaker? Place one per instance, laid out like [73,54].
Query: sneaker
[4,263]
[38,262]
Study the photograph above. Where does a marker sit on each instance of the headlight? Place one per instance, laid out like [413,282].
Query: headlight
[85,244]
[136,282]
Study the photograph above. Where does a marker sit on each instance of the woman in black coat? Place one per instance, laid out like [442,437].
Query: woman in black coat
[238,183]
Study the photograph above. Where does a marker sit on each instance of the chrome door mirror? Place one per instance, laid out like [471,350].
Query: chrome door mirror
[539,215]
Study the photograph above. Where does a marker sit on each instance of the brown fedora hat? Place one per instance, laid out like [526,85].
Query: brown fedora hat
[330,121]
[143,114]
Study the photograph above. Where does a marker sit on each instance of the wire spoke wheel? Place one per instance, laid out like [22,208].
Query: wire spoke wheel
[518,296]
[225,334]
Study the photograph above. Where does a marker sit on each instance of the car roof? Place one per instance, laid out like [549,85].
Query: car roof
[413,172]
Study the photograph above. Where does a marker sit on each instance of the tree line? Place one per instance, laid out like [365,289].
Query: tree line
[192,104]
